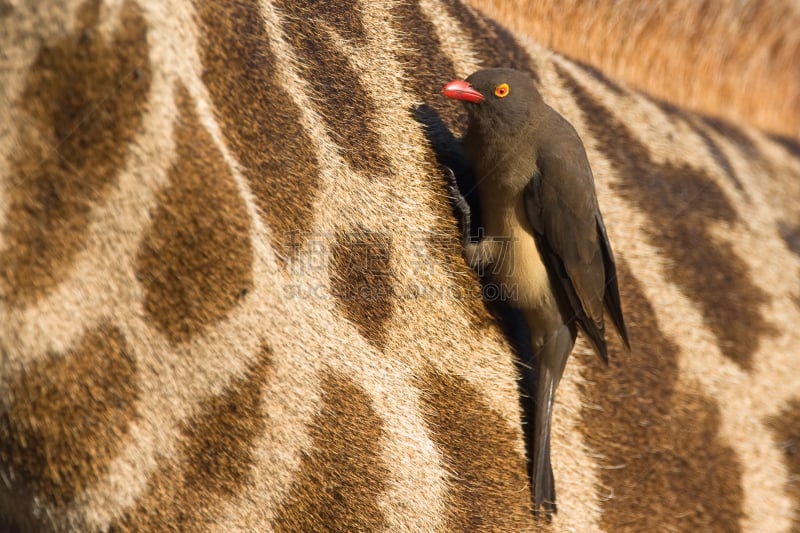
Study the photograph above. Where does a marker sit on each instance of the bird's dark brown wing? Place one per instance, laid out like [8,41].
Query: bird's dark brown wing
[611,297]
[562,209]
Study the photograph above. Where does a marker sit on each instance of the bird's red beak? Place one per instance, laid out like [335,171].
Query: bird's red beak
[461,90]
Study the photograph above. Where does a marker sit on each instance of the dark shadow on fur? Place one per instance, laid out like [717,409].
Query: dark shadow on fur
[515,328]
[450,153]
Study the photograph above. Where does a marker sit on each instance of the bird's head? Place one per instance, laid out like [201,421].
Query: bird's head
[500,98]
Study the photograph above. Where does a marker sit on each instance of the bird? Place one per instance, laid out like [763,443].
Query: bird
[543,234]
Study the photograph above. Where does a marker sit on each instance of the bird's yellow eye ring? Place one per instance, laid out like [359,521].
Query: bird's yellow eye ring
[501,91]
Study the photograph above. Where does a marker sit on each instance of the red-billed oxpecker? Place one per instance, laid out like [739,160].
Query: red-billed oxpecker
[543,233]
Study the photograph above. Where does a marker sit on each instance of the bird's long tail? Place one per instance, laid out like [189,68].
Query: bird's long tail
[552,358]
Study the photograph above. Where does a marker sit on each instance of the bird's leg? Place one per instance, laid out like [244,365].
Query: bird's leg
[478,254]
[483,252]
[460,204]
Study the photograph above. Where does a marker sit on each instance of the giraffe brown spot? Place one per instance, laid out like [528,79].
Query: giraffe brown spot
[215,462]
[82,106]
[734,133]
[196,258]
[790,144]
[495,45]
[511,52]
[599,76]
[488,486]
[790,233]
[362,281]
[665,465]
[165,506]
[259,119]
[344,15]
[342,476]
[66,417]
[683,204]
[694,122]
[717,153]
[786,428]
[220,439]
[337,92]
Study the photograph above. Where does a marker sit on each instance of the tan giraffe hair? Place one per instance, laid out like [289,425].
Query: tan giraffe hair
[232,295]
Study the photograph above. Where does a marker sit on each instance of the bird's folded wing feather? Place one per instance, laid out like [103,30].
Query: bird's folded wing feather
[561,208]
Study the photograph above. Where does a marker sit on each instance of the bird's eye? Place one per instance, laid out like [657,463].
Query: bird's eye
[501,91]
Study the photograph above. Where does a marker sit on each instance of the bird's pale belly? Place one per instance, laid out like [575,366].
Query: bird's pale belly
[520,271]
